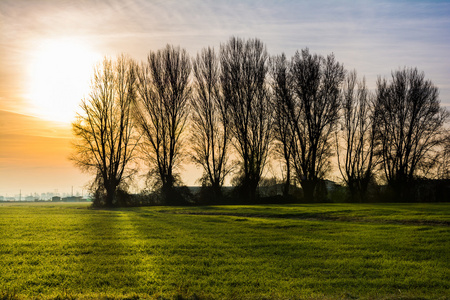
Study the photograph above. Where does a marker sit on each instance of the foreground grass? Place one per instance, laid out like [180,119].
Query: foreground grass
[323,251]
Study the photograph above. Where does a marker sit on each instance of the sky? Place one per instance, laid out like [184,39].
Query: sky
[48,49]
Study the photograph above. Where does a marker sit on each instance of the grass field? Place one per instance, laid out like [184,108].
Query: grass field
[313,251]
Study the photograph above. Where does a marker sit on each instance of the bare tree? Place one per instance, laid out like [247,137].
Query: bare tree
[443,158]
[105,135]
[282,95]
[357,134]
[162,113]
[244,69]
[210,122]
[314,114]
[410,122]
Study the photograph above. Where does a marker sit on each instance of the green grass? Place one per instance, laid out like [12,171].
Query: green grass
[313,251]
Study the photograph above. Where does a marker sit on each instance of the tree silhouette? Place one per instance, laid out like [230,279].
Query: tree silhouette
[104,132]
[314,114]
[410,122]
[241,103]
[162,113]
[356,161]
[210,136]
[443,159]
[282,95]
[244,69]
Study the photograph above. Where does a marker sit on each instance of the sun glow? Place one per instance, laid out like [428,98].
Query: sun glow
[60,74]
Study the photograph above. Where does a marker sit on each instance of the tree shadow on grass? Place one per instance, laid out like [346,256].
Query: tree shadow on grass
[165,242]
[106,258]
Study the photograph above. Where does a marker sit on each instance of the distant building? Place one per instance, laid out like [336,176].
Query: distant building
[73,199]
[271,190]
[331,185]
[56,199]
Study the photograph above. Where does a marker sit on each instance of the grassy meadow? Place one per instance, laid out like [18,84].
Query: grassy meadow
[310,251]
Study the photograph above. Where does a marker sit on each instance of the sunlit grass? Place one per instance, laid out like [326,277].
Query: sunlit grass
[332,251]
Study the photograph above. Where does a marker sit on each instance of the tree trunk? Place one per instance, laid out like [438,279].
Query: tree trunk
[287,183]
[308,187]
[217,192]
[353,189]
[168,192]
[110,193]
[251,191]
[248,190]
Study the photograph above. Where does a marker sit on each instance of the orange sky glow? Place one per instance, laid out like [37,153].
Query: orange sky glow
[48,50]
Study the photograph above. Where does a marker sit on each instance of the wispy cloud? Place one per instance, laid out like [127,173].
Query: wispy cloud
[371,36]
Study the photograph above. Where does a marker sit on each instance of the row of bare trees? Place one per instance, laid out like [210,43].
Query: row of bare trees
[230,112]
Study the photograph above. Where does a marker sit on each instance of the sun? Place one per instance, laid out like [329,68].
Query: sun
[59,77]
